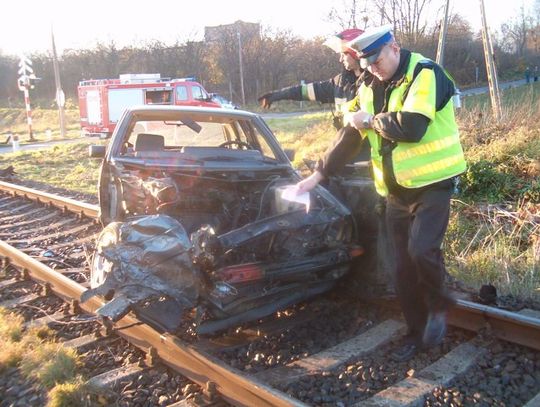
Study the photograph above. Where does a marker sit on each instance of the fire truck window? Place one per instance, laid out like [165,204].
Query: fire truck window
[181,93]
[166,97]
[158,97]
[198,93]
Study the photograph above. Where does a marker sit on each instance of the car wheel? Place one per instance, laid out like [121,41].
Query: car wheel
[101,266]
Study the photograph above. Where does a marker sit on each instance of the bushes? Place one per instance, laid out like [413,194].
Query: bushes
[498,182]
[503,158]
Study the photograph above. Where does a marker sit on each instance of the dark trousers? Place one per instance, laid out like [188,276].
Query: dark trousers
[417,221]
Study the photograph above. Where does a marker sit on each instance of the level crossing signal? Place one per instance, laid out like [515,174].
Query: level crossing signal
[27,78]
[25,66]
[25,82]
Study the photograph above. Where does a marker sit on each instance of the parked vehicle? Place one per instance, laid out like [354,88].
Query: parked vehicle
[196,214]
[224,103]
[102,101]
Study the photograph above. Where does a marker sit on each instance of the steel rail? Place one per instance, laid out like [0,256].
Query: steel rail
[68,204]
[198,366]
[506,325]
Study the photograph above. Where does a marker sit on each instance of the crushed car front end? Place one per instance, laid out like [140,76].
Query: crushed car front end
[197,218]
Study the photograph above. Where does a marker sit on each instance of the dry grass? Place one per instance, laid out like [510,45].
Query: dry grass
[11,326]
[11,332]
[77,393]
[496,244]
[67,394]
[499,242]
[48,364]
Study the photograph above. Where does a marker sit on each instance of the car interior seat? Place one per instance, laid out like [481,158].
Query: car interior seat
[149,142]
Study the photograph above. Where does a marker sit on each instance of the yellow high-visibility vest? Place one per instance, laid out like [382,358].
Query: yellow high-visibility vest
[438,155]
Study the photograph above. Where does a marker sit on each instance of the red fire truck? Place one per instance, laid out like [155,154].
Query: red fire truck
[102,101]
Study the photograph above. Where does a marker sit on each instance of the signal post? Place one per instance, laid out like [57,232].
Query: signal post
[26,82]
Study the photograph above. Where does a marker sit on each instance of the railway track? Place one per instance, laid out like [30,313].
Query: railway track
[331,351]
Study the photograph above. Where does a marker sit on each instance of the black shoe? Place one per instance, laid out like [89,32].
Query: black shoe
[435,329]
[406,352]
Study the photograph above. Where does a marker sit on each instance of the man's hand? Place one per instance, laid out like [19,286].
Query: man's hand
[310,182]
[356,119]
[338,122]
[267,99]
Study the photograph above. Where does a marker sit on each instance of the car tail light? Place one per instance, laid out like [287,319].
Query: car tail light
[241,273]
[356,251]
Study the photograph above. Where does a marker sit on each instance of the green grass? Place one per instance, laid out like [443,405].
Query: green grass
[510,97]
[14,121]
[309,135]
[66,166]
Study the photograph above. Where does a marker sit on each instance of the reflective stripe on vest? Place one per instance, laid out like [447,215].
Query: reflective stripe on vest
[308,92]
[437,156]
[340,102]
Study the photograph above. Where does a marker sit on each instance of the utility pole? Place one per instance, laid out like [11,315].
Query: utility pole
[241,67]
[442,36]
[60,98]
[490,66]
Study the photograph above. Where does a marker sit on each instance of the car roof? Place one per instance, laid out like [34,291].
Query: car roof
[239,114]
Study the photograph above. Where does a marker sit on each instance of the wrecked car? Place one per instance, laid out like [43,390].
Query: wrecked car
[197,221]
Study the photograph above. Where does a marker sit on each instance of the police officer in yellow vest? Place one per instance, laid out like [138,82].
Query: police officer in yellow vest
[406,112]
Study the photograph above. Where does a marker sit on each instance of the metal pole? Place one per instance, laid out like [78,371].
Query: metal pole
[59,91]
[442,35]
[25,82]
[28,111]
[490,66]
[241,67]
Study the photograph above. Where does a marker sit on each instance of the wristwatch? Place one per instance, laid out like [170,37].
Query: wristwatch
[366,123]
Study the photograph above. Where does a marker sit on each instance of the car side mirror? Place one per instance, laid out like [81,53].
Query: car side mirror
[290,153]
[96,151]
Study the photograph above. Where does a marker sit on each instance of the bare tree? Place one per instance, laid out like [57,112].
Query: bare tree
[515,33]
[534,33]
[409,17]
[351,14]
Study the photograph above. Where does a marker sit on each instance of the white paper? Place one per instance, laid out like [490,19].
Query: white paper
[290,193]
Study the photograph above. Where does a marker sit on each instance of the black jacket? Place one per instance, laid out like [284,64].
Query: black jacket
[338,89]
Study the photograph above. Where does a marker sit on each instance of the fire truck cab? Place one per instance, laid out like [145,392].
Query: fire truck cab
[102,101]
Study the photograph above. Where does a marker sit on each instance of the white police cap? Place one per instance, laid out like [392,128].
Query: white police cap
[369,44]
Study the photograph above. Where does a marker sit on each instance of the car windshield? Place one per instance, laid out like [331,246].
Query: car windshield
[183,132]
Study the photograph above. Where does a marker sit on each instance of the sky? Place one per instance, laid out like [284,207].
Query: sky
[80,25]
